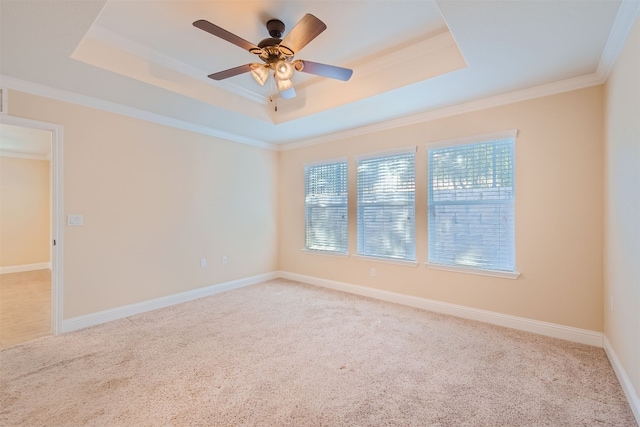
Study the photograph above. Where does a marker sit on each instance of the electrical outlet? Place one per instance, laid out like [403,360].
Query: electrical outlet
[373,272]
[203,263]
[224,259]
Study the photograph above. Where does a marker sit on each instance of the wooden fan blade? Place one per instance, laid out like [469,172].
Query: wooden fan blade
[307,29]
[226,35]
[221,75]
[288,94]
[325,70]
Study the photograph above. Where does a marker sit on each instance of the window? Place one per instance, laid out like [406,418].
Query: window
[471,214]
[386,206]
[326,207]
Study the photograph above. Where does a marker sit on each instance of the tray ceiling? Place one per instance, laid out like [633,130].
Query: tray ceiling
[408,57]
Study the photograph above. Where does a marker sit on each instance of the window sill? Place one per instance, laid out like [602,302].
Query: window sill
[387,260]
[326,253]
[470,270]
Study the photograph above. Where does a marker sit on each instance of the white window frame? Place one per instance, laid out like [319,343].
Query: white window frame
[361,252]
[485,138]
[310,248]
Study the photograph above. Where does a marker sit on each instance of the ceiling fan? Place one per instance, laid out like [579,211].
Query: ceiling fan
[277,54]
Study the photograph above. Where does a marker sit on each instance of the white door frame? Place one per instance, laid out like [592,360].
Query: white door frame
[57,213]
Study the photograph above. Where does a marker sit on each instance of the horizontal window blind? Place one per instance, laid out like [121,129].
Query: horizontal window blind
[326,207]
[386,206]
[471,205]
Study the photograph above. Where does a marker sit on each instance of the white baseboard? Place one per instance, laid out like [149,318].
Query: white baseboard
[625,382]
[569,333]
[582,336]
[25,267]
[85,321]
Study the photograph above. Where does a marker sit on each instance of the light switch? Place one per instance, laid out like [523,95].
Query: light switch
[74,220]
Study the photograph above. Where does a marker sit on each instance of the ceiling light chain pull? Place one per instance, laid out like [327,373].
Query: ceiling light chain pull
[271,99]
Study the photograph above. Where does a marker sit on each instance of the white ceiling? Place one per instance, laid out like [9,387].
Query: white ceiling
[408,57]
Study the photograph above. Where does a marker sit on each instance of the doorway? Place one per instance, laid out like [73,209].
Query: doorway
[32,279]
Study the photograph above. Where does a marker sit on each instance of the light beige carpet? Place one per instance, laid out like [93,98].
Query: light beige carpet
[286,354]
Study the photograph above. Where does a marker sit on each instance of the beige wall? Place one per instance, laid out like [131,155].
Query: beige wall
[559,213]
[24,211]
[155,201]
[622,201]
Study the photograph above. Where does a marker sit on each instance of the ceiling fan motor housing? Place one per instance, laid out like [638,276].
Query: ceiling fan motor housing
[275,28]
[272,51]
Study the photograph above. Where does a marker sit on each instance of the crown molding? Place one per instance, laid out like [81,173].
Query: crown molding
[137,49]
[421,61]
[622,26]
[481,104]
[494,101]
[112,107]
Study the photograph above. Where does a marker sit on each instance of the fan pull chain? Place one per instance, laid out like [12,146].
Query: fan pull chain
[271,98]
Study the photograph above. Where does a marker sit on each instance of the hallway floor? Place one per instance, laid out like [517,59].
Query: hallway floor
[25,306]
